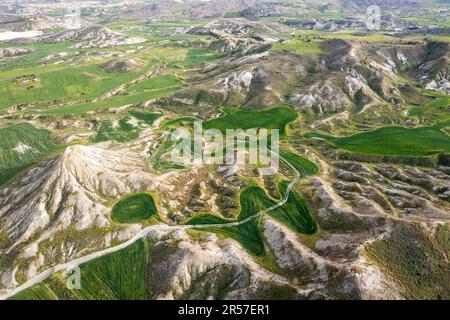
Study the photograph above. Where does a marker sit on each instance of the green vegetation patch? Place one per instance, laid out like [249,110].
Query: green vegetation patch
[304,166]
[181,121]
[161,160]
[395,141]
[126,129]
[147,117]
[298,47]
[274,118]
[295,213]
[118,101]
[437,110]
[122,130]
[253,200]
[195,56]
[37,292]
[135,208]
[72,83]
[23,145]
[121,275]
[157,83]
[118,276]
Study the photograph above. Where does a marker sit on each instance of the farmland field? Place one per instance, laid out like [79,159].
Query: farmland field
[396,141]
[134,208]
[274,118]
[295,214]
[118,101]
[23,145]
[252,200]
[304,166]
[71,83]
[156,83]
[194,56]
[438,110]
[298,47]
[147,117]
[37,292]
[118,276]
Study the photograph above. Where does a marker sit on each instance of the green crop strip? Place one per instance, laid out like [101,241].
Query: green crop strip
[21,146]
[395,141]
[274,118]
[117,276]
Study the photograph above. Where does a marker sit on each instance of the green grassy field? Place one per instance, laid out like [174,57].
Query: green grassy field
[156,83]
[73,86]
[122,131]
[134,208]
[295,214]
[69,84]
[252,200]
[304,166]
[21,146]
[148,117]
[188,120]
[118,276]
[298,47]
[274,118]
[126,129]
[195,56]
[393,141]
[438,110]
[31,60]
[38,292]
[117,101]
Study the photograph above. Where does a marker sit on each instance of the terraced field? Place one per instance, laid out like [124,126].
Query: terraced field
[21,146]
[393,141]
[135,208]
